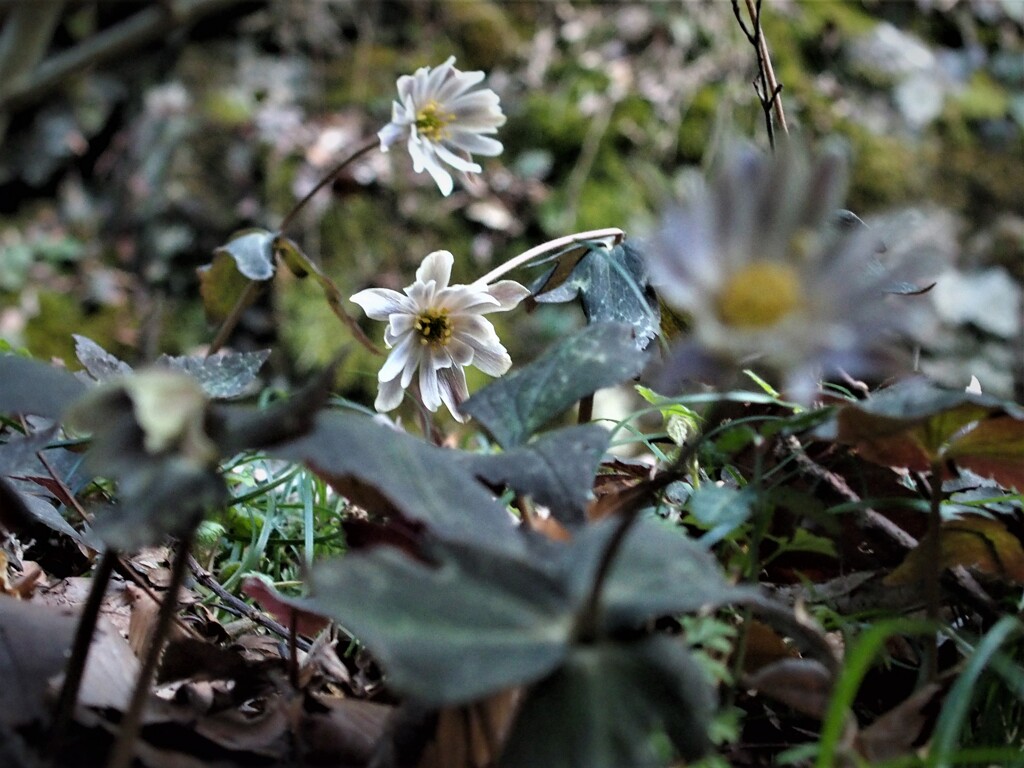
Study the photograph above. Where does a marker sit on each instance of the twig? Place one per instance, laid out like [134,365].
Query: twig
[766,86]
[124,747]
[242,608]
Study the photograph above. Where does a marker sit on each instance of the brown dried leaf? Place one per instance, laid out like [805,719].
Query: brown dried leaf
[803,684]
[904,727]
[980,544]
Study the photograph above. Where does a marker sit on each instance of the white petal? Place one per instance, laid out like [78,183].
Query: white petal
[459,299]
[492,360]
[436,266]
[413,360]
[389,395]
[381,303]
[475,144]
[461,353]
[453,390]
[400,323]
[458,85]
[429,392]
[398,360]
[508,293]
[456,162]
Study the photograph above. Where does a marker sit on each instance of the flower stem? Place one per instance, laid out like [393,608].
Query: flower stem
[358,152]
[80,651]
[616,234]
[124,747]
[933,576]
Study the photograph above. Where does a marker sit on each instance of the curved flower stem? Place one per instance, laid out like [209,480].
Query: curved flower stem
[124,747]
[358,152]
[614,233]
[80,651]
[247,297]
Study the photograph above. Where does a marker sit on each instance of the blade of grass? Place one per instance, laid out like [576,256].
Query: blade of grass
[958,702]
[858,660]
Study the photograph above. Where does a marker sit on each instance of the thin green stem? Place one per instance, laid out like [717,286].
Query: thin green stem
[358,152]
[247,297]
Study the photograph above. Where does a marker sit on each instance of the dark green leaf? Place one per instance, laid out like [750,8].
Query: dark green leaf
[253,252]
[379,467]
[610,704]
[518,404]
[556,470]
[31,387]
[100,364]
[660,571]
[226,375]
[478,622]
[159,496]
[613,287]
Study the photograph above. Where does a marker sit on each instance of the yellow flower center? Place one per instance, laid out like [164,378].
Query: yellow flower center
[431,122]
[759,295]
[434,327]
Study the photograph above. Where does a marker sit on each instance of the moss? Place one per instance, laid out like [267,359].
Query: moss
[48,334]
[483,30]
[886,170]
[696,125]
[983,99]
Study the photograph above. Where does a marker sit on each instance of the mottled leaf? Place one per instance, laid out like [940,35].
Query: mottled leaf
[253,252]
[476,622]
[520,403]
[223,376]
[100,364]
[419,480]
[661,571]
[32,387]
[556,470]
[612,285]
[605,707]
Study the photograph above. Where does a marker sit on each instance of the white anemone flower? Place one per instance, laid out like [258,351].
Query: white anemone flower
[444,121]
[771,276]
[437,329]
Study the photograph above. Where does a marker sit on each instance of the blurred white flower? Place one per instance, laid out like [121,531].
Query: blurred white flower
[772,277]
[438,329]
[444,121]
